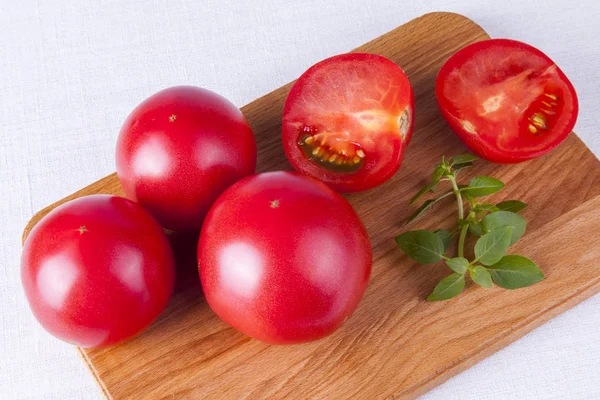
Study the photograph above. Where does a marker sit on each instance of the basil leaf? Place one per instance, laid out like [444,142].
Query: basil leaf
[458,264]
[475,229]
[466,195]
[514,272]
[463,159]
[459,167]
[425,206]
[483,186]
[422,246]
[448,287]
[490,248]
[437,173]
[481,276]
[430,187]
[511,205]
[486,207]
[505,218]
[445,236]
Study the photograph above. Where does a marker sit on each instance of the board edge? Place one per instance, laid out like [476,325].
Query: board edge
[94,373]
[519,331]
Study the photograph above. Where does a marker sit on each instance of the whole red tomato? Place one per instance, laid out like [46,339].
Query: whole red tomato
[506,100]
[179,149]
[97,270]
[348,120]
[283,258]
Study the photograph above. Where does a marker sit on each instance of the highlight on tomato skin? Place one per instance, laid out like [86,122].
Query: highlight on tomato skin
[347,121]
[506,100]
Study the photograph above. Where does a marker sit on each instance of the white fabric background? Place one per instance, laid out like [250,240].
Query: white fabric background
[71,71]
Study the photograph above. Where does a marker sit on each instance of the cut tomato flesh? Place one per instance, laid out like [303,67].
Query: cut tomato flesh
[506,97]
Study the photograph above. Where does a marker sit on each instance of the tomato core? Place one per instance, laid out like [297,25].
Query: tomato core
[330,151]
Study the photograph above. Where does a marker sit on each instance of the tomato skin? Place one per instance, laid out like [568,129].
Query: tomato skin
[364,101]
[97,270]
[516,69]
[283,258]
[179,149]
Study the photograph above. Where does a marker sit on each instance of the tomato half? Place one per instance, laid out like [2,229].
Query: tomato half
[283,258]
[97,270]
[179,149]
[347,121]
[506,100]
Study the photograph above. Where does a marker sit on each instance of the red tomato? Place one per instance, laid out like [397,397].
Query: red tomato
[283,258]
[97,270]
[506,100]
[179,150]
[347,121]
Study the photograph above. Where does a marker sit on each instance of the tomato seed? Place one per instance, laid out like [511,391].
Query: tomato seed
[532,129]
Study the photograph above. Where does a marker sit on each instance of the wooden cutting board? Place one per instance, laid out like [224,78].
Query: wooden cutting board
[396,345]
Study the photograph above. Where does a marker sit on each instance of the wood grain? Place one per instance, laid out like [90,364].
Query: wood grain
[396,345]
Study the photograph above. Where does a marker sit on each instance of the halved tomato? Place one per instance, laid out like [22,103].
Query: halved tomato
[506,100]
[348,119]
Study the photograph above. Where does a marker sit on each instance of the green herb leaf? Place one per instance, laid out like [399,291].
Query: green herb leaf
[438,172]
[445,236]
[490,248]
[511,205]
[458,264]
[486,207]
[422,246]
[448,287]
[425,206]
[481,276]
[514,271]
[483,186]
[475,229]
[429,188]
[458,167]
[505,218]
[463,159]
[466,194]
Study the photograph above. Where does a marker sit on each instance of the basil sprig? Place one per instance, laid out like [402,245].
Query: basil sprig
[497,226]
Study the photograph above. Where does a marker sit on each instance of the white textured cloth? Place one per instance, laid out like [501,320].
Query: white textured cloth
[70,72]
